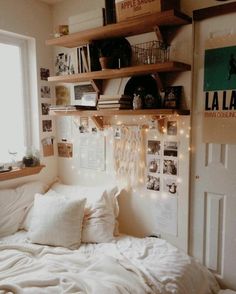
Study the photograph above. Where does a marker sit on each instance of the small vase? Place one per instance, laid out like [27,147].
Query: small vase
[104,62]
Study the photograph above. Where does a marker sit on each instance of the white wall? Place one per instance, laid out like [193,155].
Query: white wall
[33,19]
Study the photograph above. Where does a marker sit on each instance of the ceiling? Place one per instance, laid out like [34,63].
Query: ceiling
[51,2]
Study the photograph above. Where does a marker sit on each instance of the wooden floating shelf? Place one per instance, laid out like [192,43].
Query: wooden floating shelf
[170,66]
[21,172]
[130,27]
[98,115]
[129,112]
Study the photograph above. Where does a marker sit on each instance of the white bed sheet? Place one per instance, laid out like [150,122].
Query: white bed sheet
[126,265]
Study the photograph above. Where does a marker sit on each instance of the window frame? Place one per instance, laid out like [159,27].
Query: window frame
[23,44]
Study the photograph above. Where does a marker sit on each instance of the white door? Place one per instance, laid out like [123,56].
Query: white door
[213,177]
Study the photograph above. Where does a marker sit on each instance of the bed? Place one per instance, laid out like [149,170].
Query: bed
[99,263]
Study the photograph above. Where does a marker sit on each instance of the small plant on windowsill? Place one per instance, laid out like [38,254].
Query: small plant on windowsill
[31,159]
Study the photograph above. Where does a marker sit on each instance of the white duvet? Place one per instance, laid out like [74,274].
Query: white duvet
[126,265]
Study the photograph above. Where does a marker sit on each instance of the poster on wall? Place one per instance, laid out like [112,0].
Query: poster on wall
[92,152]
[167,215]
[219,119]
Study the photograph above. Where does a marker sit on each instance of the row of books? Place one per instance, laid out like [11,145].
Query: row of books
[114,102]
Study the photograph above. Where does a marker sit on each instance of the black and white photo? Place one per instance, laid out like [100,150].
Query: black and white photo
[172,128]
[45,92]
[153,183]
[170,148]
[154,147]
[47,125]
[44,73]
[45,108]
[170,185]
[153,164]
[170,167]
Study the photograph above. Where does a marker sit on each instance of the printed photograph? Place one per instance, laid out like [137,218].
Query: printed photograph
[172,128]
[153,183]
[47,125]
[170,185]
[170,167]
[45,92]
[153,164]
[170,148]
[44,73]
[62,95]
[154,147]
[45,108]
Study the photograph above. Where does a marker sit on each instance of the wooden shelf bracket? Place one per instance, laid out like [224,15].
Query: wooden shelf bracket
[98,121]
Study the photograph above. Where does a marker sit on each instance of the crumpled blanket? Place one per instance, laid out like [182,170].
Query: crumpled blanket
[126,265]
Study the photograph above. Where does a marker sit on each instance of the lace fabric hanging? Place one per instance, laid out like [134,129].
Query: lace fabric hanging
[128,155]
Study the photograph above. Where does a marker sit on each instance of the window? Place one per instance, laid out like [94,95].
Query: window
[15,106]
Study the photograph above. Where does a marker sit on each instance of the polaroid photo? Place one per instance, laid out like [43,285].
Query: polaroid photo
[153,164]
[47,125]
[170,167]
[45,92]
[44,73]
[45,108]
[172,128]
[170,185]
[154,147]
[153,183]
[170,148]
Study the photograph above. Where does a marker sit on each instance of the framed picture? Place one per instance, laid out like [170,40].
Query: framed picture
[172,97]
[45,108]
[45,92]
[83,94]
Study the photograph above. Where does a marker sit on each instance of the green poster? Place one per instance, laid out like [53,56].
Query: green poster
[220,69]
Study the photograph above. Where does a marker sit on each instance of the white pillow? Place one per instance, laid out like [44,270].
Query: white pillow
[14,204]
[57,221]
[101,210]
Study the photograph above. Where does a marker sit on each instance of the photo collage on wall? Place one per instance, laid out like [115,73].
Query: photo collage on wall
[45,102]
[162,162]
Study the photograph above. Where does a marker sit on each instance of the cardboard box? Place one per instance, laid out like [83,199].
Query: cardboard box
[126,9]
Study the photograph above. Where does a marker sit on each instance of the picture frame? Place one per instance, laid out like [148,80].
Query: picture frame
[172,97]
[84,94]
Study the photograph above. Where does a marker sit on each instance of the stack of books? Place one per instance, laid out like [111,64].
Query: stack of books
[115,102]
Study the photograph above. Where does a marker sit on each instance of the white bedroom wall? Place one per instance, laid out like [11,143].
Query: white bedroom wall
[32,18]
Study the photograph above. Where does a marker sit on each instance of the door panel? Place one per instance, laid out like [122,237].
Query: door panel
[213,176]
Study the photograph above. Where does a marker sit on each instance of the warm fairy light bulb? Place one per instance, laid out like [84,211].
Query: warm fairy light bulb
[187,136]
[181,156]
[189,149]
[181,132]
[179,180]
[72,167]
[164,130]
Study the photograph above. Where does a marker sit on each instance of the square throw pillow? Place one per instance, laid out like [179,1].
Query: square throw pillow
[57,221]
[101,210]
[15,203]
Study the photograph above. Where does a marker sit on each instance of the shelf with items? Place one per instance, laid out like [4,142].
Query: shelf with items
[98,115]
[169,66]
[127,28]
[21,172]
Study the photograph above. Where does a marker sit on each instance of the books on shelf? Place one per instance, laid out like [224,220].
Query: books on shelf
[62,107]
[114,102]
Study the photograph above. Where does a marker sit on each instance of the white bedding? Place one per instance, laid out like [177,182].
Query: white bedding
[126,265]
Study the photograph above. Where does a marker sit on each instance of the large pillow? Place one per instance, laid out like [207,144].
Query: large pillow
[101,210]
[15,203]
[57,221]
